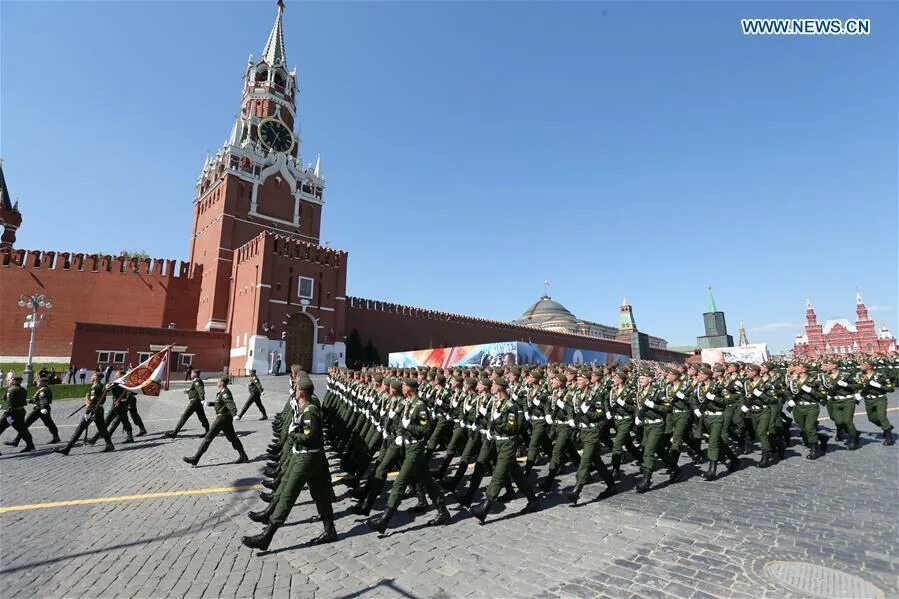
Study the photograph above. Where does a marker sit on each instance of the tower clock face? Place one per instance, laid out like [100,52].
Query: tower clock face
[275,135]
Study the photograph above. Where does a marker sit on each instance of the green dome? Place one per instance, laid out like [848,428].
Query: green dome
[547,310]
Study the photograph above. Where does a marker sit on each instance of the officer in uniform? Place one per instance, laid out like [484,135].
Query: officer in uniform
[305,442]
[93,411]
[415,426]
[874,388]
[757,407]
[196,395]
[561,416]
[254,388]
[506,419]
[591,413]
[710,404]
[537,406]
[623,407]
[118,412]
[840,388]
[225,415]
[805,401]
[14,414]
[42,399]
[652,408]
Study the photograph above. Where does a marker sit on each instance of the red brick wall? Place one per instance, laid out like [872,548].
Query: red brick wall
[149,293]
[210,349]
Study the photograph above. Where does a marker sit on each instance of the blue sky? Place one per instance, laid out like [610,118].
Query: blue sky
[473,150]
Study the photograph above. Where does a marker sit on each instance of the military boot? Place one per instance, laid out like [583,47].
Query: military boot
[822,443]
[644,485]
[269,484]
[266,497]
[748,444]
[242,458]
[55,439]
[676,475]
[888,438]
[547,484]
[261,541]
[616,467]
[128,438]
[422,506]
[611,489]
[480,512]
[451,484]
[528,466]
[712,472]
[766,459]
[840,436]
[380,524]
[733,464]
[329,535]
[532,506]
[812,453]
[573,495]
[109,447]
[444,466]
[263,516]
[443,516]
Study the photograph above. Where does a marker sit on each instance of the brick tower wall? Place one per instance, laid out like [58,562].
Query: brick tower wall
[90,288]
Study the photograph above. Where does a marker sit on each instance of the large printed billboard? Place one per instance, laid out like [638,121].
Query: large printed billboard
[755,353]
[502,353]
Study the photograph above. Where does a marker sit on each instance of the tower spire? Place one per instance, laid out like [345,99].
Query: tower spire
[274,52]
[744,340]
[712,307]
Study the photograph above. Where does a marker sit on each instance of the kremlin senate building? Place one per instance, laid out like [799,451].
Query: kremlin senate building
[258,287]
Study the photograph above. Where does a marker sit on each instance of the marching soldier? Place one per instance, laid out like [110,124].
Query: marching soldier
[415,428]
[840,389]
[710,405]
[561,416]
[757,407]
[591,413]
[225,415]
[805,401]
[874,388]
[538,405]
[196,395]
[652,408]
[623,408]
[118,412]
[42,399]
[14,414]
[94,400]
[305,442]
[254,387]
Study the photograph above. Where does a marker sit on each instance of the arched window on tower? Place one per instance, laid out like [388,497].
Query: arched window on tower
[261,76]
[279,79]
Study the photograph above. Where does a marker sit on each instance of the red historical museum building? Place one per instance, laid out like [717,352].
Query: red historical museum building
[839,336]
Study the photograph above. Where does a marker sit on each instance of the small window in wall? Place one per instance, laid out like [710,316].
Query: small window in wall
[187,360]
[119,357]
[305,287]
[103,357]
[143,356]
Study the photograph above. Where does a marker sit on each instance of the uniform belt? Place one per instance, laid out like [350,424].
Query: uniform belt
[306,450]
[713,413]
[625,417]
[410,442]
[844,396]
[678,411]
[590,425]
[653,421]
[807,403]
[498,438]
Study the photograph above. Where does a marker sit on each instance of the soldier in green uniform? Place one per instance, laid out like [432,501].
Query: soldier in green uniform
[840,388]
[93,412]
[623,407]
[873,389]
[677,423]
[561,416]
[461,388]
[254,388]
[306,466]
[652,408]
[805,401]
[14,414]
[414,428]
[505,420]
[591,413]
[196,395]
[225,415]
[757,407]
[118,412]
[710,405]
[537,402]
[42,399]
[474,405]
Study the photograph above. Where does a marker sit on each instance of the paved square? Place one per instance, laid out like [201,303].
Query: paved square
[754,533]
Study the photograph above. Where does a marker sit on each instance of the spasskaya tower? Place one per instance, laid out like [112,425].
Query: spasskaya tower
[256,182]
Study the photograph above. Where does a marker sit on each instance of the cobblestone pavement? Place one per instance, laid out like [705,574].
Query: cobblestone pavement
[694,539]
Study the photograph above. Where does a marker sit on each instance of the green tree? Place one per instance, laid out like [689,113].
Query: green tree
[355,353]
[371,354]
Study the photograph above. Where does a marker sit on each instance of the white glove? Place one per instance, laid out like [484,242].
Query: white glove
[9,419]
[570,423]
[757,393]
[482,411]
[744,409]
[527,416]
[43,410]
[548,419]
[698,413]
[710,396]
[398,441]
[620,402]
[876,385]
[489,436]
[608,415]
[560,404]
[236,418]
[637,421]
[392,413]
[293,427]
[791,403]
[858,397]
[806,388]
[406,422]
[680,395]
[439,402]
[649,403]
[536,402]
[842,383]
[85,416]
[496,415]
[585,408]
[581,425]
[738,384]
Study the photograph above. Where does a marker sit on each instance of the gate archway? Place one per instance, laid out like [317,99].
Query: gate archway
[298,342]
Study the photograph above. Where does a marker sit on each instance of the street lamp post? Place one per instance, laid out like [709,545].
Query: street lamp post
[33,301]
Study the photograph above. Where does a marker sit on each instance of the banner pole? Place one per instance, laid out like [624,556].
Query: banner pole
[168,366]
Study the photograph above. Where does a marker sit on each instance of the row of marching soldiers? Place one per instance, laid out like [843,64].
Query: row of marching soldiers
[384,419]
